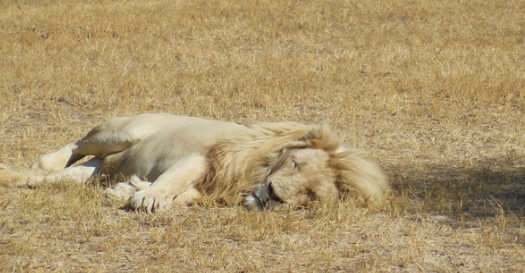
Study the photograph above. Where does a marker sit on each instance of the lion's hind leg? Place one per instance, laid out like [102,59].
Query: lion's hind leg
[99,142]
[58,160]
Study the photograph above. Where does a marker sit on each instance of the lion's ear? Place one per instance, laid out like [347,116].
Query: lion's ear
[322,137]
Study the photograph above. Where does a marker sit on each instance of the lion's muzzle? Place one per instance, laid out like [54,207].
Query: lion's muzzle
[262,198]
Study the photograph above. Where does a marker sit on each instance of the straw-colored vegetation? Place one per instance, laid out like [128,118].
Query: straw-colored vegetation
[434,89]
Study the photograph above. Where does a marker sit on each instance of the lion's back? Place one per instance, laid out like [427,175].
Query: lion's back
[119,133]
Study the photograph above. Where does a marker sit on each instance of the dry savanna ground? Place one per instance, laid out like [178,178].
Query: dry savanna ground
[435,90]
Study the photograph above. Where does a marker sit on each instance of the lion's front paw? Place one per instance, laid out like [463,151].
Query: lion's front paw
[150,200]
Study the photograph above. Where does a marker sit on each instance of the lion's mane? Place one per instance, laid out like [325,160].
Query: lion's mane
[238,165]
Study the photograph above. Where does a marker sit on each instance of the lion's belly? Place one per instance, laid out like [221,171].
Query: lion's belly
[155,154]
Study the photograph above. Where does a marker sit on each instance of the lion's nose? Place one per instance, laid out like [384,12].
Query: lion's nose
[266,197]
[263,192]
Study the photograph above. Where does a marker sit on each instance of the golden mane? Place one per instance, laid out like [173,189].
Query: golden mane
[238,165]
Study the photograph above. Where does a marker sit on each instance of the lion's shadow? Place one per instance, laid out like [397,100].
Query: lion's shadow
[491,188]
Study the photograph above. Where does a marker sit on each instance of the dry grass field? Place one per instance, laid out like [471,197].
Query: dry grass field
[435,90]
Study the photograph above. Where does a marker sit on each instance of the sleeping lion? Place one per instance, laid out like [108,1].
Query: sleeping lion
[163,160]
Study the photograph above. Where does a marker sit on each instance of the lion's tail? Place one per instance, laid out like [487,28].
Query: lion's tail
[361,177]
[10,176]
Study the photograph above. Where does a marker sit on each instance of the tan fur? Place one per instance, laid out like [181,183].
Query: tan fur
[183,159]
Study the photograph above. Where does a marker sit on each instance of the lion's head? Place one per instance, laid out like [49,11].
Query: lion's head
[291,164]
[300,177]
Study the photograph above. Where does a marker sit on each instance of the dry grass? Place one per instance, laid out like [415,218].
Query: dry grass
[434,89]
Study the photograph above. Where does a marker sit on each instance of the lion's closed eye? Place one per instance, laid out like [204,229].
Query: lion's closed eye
[294,164]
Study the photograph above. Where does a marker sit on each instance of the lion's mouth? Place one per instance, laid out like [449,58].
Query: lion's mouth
[264,197]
